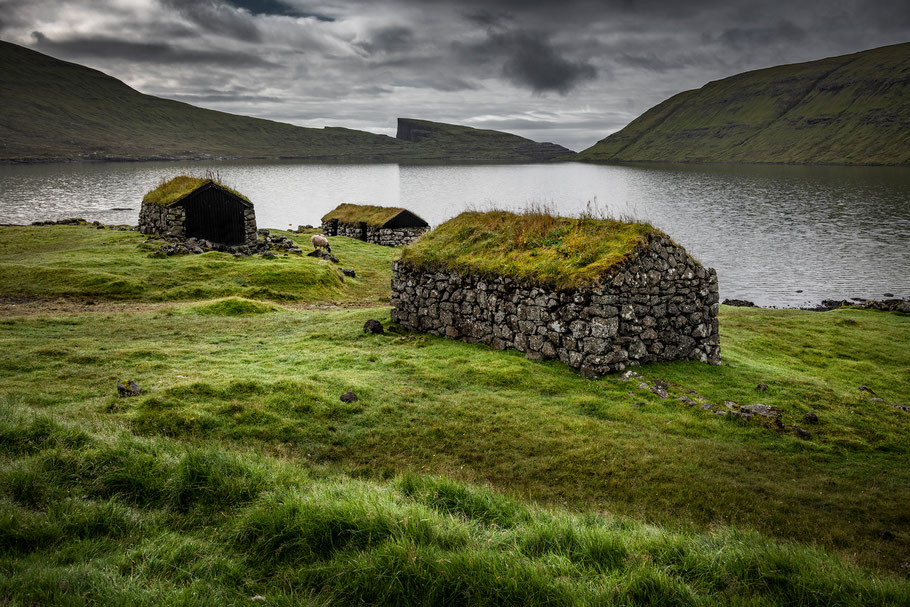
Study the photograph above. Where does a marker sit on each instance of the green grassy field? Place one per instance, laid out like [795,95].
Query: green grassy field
[77,261]
[851,109]
[461,475]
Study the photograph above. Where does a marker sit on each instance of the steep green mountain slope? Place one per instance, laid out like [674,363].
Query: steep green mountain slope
[443,139]
[54,110]
[853,109]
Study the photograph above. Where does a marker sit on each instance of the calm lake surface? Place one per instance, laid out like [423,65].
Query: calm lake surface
[770,231]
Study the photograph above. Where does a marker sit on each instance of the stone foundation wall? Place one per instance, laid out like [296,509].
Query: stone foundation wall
[163,221]
[249,223]
[659,305]
[397,237]
[389,237]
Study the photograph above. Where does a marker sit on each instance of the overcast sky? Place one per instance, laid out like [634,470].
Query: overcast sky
[564,71]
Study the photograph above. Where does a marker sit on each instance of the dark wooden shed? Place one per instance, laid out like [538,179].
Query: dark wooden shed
[187,207]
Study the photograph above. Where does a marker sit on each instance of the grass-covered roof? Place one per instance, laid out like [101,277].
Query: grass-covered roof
[355,213]
[178,187]
[538,247]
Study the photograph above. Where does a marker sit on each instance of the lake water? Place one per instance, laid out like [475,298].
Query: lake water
[770,231]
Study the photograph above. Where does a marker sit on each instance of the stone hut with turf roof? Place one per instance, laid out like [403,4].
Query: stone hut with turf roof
[599,295]
[387,226]
[191,207]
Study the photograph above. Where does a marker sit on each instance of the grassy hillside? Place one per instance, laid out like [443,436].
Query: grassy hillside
[853,109]
[54,110]
[436,139]
[463,474]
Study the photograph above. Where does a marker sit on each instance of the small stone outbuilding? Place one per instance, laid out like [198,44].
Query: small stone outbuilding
[599,295]
[191,207]
[388,226]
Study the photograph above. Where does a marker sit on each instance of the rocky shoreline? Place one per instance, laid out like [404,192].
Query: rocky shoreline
[891,304]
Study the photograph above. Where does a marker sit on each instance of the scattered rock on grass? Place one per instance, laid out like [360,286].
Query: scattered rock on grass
[373,326]
[128,388]
[349,272]
[660,388]
[865,389]
[810,418]
[802,432]
[761,387]
[759,409]
[322,255]
[349,397]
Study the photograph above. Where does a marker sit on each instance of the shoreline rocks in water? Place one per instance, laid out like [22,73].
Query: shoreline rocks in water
[827,305]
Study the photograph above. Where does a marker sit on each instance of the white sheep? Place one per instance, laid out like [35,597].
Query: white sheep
[320,241]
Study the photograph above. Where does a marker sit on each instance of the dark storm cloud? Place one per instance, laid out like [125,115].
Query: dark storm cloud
[487,18]
[751,37]
[275,7]
[146,52]
[651,62]
[528,124]
[218,18]
[530,60]
[389,40]
[220,97]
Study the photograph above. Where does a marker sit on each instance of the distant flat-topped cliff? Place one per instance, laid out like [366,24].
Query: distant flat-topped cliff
[53,110]
[853,109]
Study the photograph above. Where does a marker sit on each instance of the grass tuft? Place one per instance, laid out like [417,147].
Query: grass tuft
[233,306]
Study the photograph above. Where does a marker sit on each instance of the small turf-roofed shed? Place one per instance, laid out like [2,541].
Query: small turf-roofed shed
[194,207]
[598,294]
[389,226]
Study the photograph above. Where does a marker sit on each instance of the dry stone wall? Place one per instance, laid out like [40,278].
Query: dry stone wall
[658,305]
[249,226]
[163,221]
[389,237]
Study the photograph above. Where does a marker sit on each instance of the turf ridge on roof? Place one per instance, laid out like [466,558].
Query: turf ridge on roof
[537,247]
[180,186]
[355,213]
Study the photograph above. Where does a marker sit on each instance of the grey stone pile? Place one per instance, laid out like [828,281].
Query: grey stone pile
[657,305]
[195,246]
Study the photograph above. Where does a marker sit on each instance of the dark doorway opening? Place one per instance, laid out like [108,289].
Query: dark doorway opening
[215,216]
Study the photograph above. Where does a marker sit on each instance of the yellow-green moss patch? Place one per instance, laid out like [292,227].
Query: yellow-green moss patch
[178,187]
[535,246]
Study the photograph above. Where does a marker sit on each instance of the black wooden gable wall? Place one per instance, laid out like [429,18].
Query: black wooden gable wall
[215,214]
[406,219]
